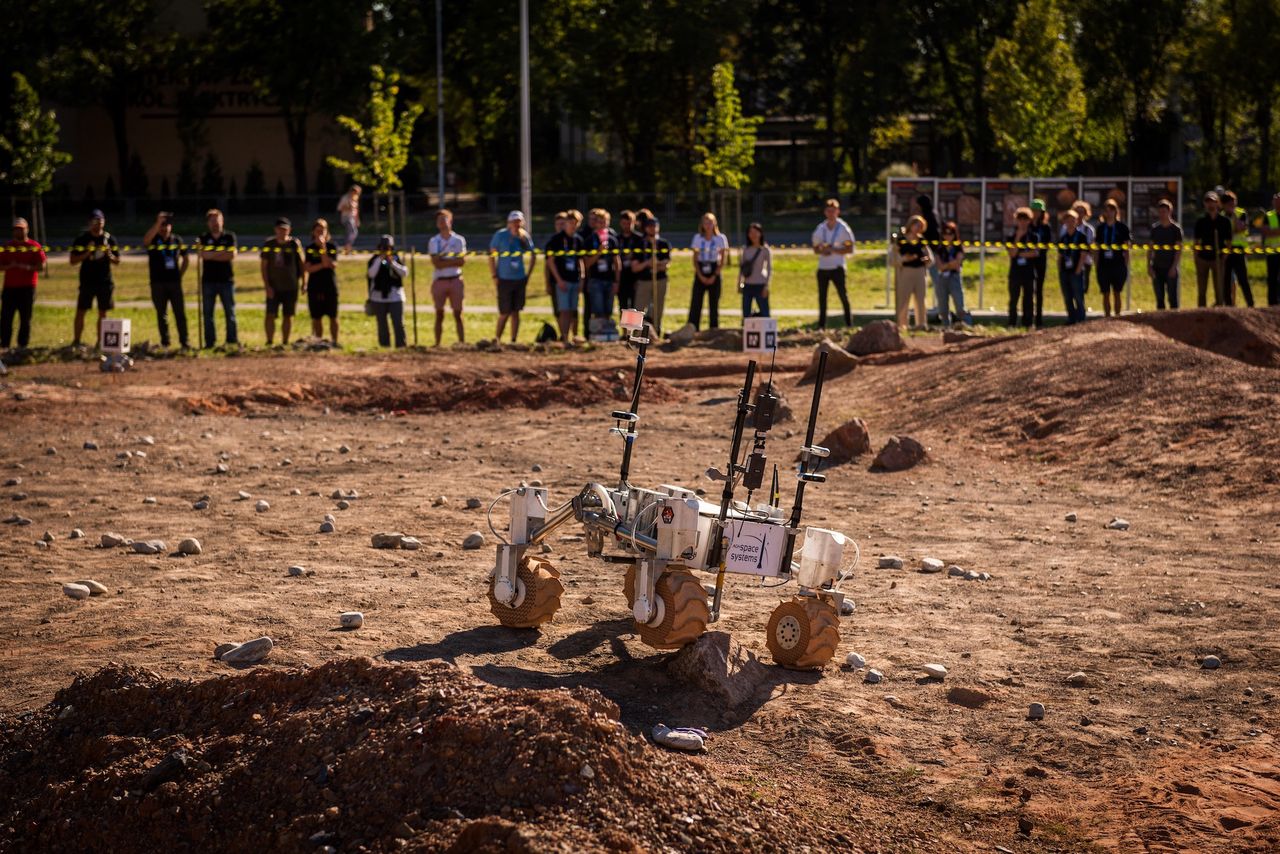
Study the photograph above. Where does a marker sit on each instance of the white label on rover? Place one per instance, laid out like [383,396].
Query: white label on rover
[755,548]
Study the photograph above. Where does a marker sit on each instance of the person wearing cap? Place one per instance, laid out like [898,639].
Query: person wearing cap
[166,265]
[386,290]
[448,251]
[507,252]
[1041,234]
[1022,277]
[1164,256]
[1212,237]
[1112,257]
[832,240]
[22,259]
[650,264]
[282,267]
[95,252]
[1235,264]
[1271,245]
[217,248]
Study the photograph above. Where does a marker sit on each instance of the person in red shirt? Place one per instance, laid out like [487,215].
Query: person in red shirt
[22,260]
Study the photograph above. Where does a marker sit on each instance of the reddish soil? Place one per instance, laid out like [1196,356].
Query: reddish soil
[1152,753]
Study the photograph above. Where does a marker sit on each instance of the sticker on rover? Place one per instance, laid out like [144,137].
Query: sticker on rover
[755,549]
[668,515]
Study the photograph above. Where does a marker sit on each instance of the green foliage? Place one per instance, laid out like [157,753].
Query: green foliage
[29,140]
[1038,104]
[727,149]
[382,147]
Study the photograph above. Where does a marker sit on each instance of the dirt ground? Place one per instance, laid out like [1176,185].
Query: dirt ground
[1112,419]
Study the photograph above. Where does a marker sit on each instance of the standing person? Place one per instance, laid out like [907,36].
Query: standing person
[349,211]
[949,285]
[1271,242]
[1163,262]
[321,267]
[507,251]
[1022,275]
[167,264]
[604,272]
[628,243]
[1084,212]
[650,266]
[22,259]
[386,290]
[710,254]
[1212,236]
[282,275]
[912,258]
[1234,265]
[1113,257]
[95,252]
[448,251]
[832,241]
[755,271]
[932,234]
[564,256]
[1042,235]
[217,255]
[580,230]
[1073,254]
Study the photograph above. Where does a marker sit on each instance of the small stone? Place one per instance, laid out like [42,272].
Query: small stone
[147,440]
[222,648]
[1118,524]
[326,527]
[1085,720]
[847,607]
[243,496]
[351,619]
[387,540]
[586,772]
[90,445]
[247,653]
[22,521]
[1025,825]
[474,504]
[955,571]
[970,698]
[440,501]
[262,506]
[149,547]
[411,544]
[344,449]
[76,591]
[95,588]
[200,505]
[890,562]
[13,481]
[77,534]
[286,462]
[535,482]
[221,468]
[297,571]
[150,499]
[1071,517]
[41,544]
[972,575]
[295,491]
[546,548]
[329,517]
[473,541]
[47,537]
[536,468]
[110,541]
[931,564]
[1078,679]
[344,505]
[873,677]
[1035,712]
[1210,662]
[51,452]
[934,671]
[854,661]
[984,576]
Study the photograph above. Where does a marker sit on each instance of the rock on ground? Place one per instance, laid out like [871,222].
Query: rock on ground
[149,547]
[473,541]
[1118,524]
[95,588]
[839,361]
[110,541]
[1035,712]
[720,666]
[847,442]
[934,671]
[351,619]
[190,546]
[387,540]
[411,544]
[890,562]
[931,564]
[76,591]
[247,653]
[879,336]
[899,454]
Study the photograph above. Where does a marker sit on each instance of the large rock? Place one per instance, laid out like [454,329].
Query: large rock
[682,337]
[901,452]
[721,338]
[247,653]
[847,442]
[879,336]
[839,361]
[719,665]
[387,540]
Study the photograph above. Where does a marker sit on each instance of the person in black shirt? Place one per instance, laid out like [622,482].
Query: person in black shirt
[602,270]
[217,253]
[1212,238]
[95,252]
[1041,233]
[1163,262]
[564,257]
[932,233]
[1022,276]
[1073,256]
[1113,257]
[167,262]
[628,243]
[913,257]
[649,263]
[321,266]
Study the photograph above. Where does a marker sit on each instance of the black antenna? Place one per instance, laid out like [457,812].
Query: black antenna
[631,416]
[809,452]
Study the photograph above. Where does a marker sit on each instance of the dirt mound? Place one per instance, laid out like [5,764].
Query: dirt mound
[349,754]
[1106,396]
[1247,335]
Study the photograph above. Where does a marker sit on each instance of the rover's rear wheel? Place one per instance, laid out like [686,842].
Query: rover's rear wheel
[542,591]
[803,633]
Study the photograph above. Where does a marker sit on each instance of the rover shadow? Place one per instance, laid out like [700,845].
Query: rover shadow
[481,640]
[585,640]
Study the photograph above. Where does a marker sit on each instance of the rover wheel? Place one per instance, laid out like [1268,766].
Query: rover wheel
[803,633]
[542,591]
[684,611]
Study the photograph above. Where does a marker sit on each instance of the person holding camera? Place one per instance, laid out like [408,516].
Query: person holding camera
[386,291]
[166,265]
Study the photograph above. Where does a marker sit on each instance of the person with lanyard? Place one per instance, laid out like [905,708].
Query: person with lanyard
[650,263]
[1235,265]
[1084,212]
[1073,253]
[912,258]
[386,275]
[95,252]
[564,263]
[1022,275]
[22,259]
[167,264]
[1212,236]
[949,287]
[1113,257]
[448,251]
[603,275]
[1271,245]
[217,256]
[932,233]
[321,267]
[1164,256]
[832,240]
[507,252]
[282,277]
[710,254]
[1042,235]
[755,271]
[628,244]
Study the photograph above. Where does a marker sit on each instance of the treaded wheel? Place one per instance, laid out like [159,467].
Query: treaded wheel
[803,633]
[685,613]
[541,597]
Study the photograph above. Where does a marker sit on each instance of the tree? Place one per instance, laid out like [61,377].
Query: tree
[728,138]
[382,147]
[1038,105]
[29,141]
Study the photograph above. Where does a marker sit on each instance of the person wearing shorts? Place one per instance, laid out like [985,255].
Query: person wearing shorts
[564,263]
[95,253]
[507,252]
[448,251]
[321,266]
[1112,259]
[282,273]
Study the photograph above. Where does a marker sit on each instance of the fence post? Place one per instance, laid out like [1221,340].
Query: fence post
[413,291]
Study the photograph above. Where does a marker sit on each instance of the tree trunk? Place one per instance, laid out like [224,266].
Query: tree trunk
[1265,119]
[116,111]
[295,128]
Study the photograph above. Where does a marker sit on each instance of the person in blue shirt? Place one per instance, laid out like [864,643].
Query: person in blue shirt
[507,252]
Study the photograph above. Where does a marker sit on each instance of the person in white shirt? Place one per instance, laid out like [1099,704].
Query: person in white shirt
[386,290]
[832,241]
[448,251]
[349,210]
[710,253]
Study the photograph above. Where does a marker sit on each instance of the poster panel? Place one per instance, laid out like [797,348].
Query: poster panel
[902,200]
[1145,195]
[1003,200]
[961,201]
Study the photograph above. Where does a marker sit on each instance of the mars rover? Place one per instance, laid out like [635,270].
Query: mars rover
[666,535]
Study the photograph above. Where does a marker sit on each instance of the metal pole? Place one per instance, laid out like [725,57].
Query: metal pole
[526,167]
[888,229]
[200,294]
[440,102]
[982,244]
[413,291]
